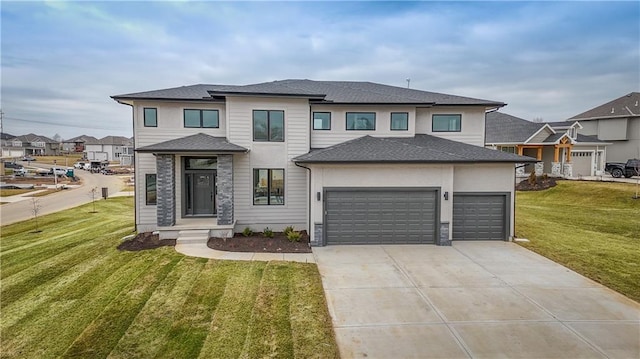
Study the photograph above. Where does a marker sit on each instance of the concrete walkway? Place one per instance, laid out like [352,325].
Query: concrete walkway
[201,250]
[471,300]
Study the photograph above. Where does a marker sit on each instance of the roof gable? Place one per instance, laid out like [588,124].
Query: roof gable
[503,128]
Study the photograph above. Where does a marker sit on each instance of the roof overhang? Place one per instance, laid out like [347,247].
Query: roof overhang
[546,126]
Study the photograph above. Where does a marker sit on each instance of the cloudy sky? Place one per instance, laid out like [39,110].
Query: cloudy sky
[62,60]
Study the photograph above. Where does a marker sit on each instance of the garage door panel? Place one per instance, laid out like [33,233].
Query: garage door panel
[380,216]
[479,217]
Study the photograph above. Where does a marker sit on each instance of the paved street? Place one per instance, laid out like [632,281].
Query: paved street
[20,211]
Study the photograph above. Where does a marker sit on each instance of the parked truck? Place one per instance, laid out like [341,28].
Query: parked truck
[619,169]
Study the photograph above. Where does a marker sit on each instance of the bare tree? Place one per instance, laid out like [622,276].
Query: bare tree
[93,193]
[35,210]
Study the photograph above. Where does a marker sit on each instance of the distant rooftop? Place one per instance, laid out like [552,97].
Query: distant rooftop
[625,106]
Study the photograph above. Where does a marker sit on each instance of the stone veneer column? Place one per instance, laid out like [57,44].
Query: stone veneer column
[166,190]
[225,189]
[539,168]
[556,169]
[520,170]
[567,169]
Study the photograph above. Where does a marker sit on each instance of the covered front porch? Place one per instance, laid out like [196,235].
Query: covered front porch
[554,158]
[194,186]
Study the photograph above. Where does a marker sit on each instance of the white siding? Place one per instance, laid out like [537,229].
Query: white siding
[471,125]
[171,122]
[146,215]
[339,133]
[269,155]
[541,136]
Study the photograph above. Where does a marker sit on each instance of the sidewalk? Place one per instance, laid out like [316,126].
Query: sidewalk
[29,195]
[202,251]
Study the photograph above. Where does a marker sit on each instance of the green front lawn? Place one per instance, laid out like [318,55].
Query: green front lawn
[590,227]
[68,292]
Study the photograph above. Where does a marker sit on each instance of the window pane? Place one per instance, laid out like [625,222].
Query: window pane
[322,120]
[260,186]
[276,125]
[276,193]
[192,118]
[446,123]
[193,163]
[400,121]
[361,121]
[210,118]
[150,117]
[150,183]
[260,125]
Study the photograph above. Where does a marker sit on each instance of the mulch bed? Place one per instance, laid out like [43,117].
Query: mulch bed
[257,243]
[540,183]
[145,240]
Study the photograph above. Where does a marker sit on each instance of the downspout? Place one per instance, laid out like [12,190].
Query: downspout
[308,199]
[515,183]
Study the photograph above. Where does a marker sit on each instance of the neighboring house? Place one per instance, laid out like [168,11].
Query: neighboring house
[8,148]
[617,122]
[37,145]
[109,148]
[77,144]
[558,146]
[350,162]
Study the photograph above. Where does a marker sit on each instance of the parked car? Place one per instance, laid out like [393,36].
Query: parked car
[79,165]
[21,172]
[107,171]
[15,166]
[619,169]
[28,158]
[59,171]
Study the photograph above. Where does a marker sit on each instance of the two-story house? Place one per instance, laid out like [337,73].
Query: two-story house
[77,144]
[38,145]
[108,148]
[350,162]
[616,122]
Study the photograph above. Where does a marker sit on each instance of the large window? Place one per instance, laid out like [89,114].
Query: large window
[150,186]
[268,125]
[446,123]
[322,120]
[399,121]
[361,121]
[268,186]
[150,117]
[201,118]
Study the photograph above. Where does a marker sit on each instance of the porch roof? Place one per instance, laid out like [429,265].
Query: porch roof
[194,143]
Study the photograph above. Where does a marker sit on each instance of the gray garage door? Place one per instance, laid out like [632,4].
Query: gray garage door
[380,216]
[581,163]
[479,217]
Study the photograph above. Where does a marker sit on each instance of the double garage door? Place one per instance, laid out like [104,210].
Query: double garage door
[407,216]
[377,216]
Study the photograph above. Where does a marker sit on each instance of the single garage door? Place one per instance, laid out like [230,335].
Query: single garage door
[380,216]
[479,217]
[582,163]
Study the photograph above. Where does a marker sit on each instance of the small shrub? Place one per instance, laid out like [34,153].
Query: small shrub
[532,178]
[294,236]
[267,232]
[247,232]
[545,177]
[287,230]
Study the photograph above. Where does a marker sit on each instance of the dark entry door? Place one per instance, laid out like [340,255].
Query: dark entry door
[200,193]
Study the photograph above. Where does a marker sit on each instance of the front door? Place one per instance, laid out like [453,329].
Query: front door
[200,193]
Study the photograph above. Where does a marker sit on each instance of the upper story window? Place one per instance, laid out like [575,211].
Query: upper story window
[399,121]
[446,123]
[201,118]
[509,149]
[361,121]
[322,120]
[268,125]
[150,117]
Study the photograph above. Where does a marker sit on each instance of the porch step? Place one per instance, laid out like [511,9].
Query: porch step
[193,236]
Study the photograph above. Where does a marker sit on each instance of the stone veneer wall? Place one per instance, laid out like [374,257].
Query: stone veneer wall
[166,190]
[444,234]
[539,168]
[225,189]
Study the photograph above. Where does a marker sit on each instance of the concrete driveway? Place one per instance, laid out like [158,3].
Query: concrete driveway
[474,299]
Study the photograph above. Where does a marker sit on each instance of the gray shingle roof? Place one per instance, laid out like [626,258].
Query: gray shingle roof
[627,105]
[418,149]
[323,91]
[584,138]
[503,128]
[195,143]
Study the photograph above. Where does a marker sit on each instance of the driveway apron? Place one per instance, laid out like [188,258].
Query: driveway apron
[470,300]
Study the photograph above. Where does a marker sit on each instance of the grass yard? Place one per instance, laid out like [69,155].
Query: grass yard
[590,227]
[68,292]
[13,192]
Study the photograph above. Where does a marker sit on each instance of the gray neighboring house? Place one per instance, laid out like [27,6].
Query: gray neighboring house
[77,144]
[349,162]
[37,145]
[559,147]
[110,148]
[9,149]
[617,122]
